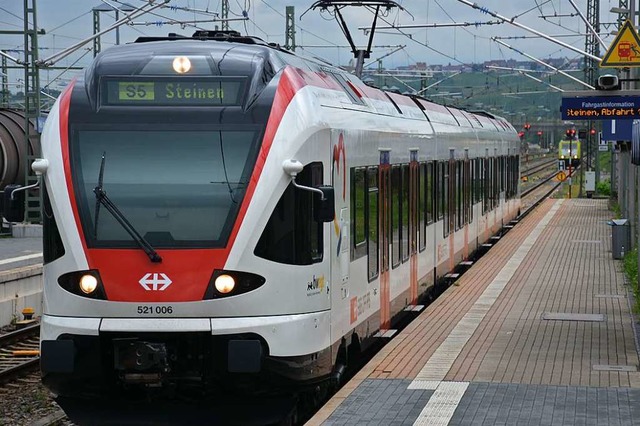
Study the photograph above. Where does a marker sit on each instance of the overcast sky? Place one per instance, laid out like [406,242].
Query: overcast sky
[68,21]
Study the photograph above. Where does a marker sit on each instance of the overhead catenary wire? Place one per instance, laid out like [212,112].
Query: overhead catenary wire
[63,54]
[540,81]
[588,24]
[302,28]
[577,80]
[366,29]
[526,28]
[424,44]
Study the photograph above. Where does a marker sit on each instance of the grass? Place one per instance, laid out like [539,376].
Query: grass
[629,263]
[575,187]
[630,266]
[604,187]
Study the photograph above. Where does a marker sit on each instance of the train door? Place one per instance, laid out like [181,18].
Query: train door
[343,314]
[413,225]
[384,181]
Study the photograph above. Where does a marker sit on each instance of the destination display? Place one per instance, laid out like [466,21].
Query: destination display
[199,92]
[601,108]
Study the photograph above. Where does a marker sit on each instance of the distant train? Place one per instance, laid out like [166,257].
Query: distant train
[569,149]
[220,212]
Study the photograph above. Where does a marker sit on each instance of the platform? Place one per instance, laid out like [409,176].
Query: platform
[19,252]
[539,331]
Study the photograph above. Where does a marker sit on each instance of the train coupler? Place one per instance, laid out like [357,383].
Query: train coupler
[140,362]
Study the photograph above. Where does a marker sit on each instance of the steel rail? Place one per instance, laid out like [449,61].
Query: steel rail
[20,334]
[538,167]
[16,366]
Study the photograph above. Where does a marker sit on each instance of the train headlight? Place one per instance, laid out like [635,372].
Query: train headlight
[225,283]
[575,156]
[83,283]
[181,64]
[88,284]
[562,157]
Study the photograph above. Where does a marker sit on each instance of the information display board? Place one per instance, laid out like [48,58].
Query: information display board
[176,91]
[601,108]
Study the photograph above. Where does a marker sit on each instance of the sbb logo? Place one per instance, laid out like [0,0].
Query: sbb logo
[155,281]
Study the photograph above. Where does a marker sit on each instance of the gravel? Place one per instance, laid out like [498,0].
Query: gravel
[25,401]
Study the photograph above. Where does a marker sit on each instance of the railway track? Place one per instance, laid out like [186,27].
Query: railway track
[19,353]
[535,194]
[58,418]
[540,166]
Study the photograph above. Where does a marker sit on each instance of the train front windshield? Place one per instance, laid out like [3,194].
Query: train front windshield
[567,148]
[177,188]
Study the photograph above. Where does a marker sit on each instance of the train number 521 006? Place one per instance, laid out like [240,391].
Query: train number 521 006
[149,310]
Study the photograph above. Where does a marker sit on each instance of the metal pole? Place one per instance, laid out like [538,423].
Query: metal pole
[96,30]
[32,108]
[290,29]
[4,90]
[594,31]
[224,15]
[118,28]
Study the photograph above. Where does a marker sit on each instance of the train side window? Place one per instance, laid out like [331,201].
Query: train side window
[514,175]
[503,173]
[471,176]
[469,190]
[446,197]
[429,191]
[372,221]
[441,191]
[358,219]
[491,183]
[292,236]
[485,185]
[52,247]
[509,176]
[396,199]
[435,184]
[423,195]
[477,177]
[463,193]
[499,171]
[404,206]
[459,198]
[496,180]
[517,176]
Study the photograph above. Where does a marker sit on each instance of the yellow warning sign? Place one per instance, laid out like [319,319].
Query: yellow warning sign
[625,49]
[561,176]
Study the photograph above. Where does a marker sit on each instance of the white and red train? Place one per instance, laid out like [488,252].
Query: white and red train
[223,212]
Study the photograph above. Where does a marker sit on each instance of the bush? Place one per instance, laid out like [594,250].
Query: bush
[604,187]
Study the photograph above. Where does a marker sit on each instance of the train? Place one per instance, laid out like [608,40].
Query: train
[221,213]
[569,150]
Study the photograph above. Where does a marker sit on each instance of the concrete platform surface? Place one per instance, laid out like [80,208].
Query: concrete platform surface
[538,332]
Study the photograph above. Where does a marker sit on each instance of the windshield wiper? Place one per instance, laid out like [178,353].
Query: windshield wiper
[101,198]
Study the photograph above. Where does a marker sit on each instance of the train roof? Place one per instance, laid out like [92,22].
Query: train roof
[227,53]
